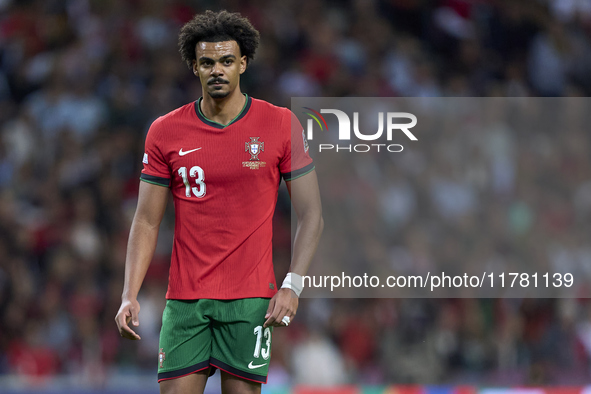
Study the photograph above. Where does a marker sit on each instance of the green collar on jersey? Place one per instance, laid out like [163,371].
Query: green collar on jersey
[217,125]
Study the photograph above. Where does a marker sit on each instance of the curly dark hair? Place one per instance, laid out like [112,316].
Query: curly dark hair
[215,27]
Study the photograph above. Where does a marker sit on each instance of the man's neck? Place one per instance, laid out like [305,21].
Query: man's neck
[224,110]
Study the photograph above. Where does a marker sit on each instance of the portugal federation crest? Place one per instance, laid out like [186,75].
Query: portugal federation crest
[254,147]
[161,357]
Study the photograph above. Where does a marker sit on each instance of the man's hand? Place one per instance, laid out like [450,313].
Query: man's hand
[128,312]
[284,303]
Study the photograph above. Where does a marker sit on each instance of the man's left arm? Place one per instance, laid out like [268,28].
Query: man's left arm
[305,197]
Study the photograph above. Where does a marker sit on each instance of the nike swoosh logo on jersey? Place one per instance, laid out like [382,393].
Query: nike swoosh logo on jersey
[181,153]
[250,366]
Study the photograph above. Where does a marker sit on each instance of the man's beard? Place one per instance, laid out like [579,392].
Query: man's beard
[218,94]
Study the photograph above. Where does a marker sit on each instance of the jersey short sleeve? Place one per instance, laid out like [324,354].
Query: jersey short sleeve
[296,161]
[156,169]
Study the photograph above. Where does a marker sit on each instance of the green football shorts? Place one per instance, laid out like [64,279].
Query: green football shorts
[222,334]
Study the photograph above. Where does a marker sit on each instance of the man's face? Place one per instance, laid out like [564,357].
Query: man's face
[219,66]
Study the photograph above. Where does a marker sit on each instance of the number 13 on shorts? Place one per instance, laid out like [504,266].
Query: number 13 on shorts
[262,336]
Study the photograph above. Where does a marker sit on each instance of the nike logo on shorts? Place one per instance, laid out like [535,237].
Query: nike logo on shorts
[181,153]
[250,366]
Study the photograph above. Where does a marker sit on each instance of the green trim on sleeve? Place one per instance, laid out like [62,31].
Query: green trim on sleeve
[290,176]
[155,180]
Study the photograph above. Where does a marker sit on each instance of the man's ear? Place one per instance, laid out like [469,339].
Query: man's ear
[243,64]
[195,68]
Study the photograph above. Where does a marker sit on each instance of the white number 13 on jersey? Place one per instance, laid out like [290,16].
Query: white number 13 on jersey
[197,173]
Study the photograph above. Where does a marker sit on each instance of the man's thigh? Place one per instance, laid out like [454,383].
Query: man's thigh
[240,345]
[185,339]
[234,385]
[190,384]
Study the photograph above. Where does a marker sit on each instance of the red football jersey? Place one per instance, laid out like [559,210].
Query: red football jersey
[224,182]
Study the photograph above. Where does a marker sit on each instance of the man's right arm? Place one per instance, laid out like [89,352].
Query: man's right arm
[143,235]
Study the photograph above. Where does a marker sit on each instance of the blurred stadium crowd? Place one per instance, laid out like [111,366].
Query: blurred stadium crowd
[81,81]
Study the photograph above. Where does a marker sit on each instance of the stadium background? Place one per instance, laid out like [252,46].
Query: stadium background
[81,81]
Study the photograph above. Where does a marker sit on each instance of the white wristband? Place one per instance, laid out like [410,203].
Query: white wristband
[293,281]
